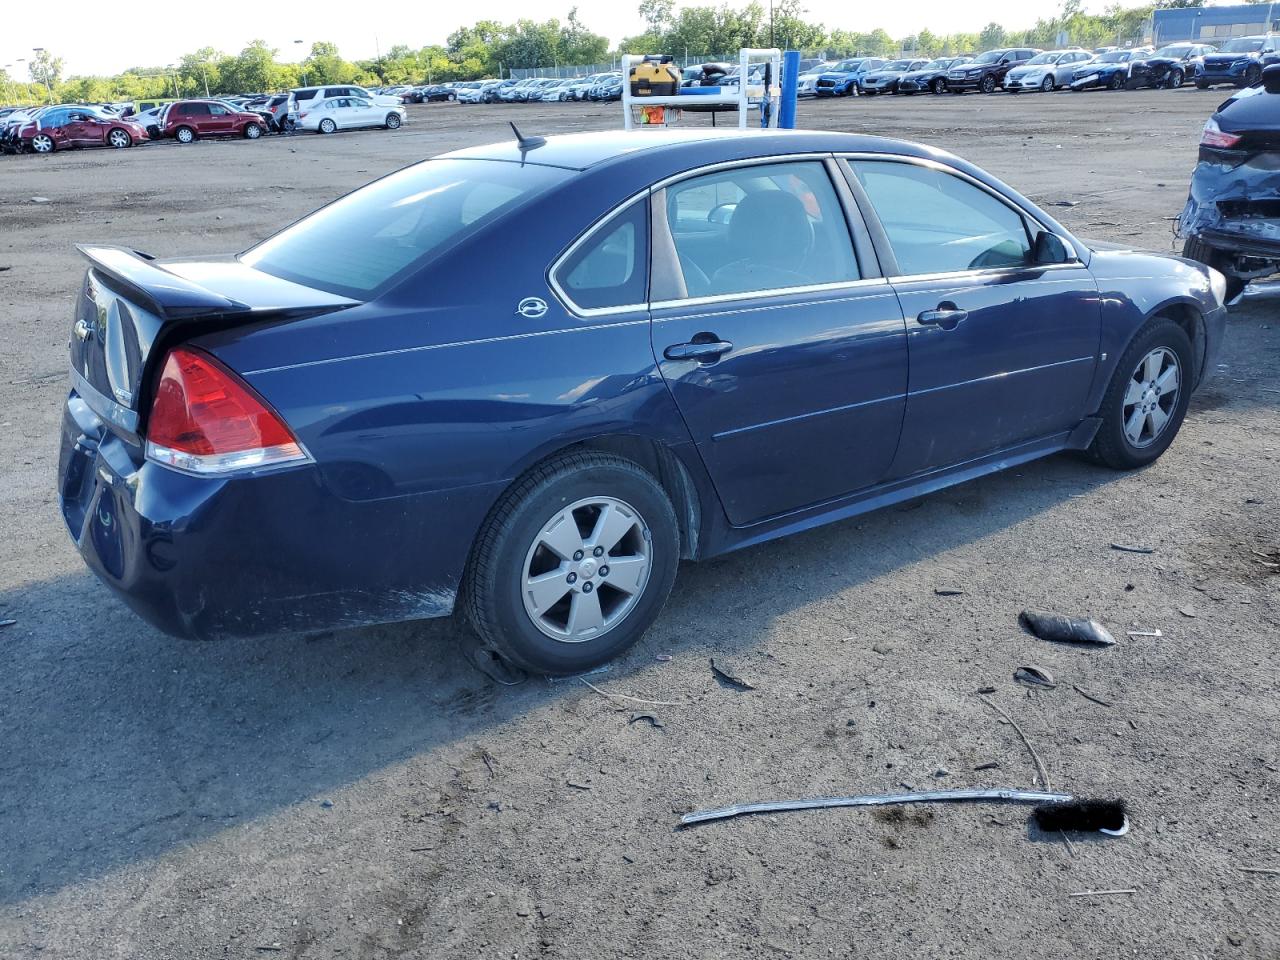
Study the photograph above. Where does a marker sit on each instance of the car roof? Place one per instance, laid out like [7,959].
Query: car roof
[582,151]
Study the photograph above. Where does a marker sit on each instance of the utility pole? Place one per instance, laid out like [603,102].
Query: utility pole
[47,85]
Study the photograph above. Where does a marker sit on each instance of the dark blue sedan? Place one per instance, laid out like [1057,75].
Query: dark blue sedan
[691,342]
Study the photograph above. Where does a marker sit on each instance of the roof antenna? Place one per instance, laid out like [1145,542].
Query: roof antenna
[526,143]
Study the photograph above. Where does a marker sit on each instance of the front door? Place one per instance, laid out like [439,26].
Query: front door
[788,363]
[1003,349]
[220,122]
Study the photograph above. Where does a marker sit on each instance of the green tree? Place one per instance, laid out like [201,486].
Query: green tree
[992,36]
[45,69]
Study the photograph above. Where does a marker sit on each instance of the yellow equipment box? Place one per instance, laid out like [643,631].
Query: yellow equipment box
[655,76]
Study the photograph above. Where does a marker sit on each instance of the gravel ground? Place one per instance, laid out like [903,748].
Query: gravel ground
[367,794]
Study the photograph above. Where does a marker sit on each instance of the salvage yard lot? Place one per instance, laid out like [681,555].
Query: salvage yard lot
[367,794]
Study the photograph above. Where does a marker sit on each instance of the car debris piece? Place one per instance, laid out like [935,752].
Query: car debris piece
[874,800]
[1033,676]
[7,623]
[1144,633]
[1083,816]
[1101,893]
[1060,629]
[1088,696]
[603,668]
[1126,548]
[948,591]
[648,718]
[728,679]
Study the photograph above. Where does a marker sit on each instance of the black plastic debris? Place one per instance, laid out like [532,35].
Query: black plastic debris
[1089,816]
[1060,629]
[728,680]
[1032,676]
[1127,548]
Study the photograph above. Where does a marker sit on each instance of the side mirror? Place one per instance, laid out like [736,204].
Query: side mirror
[1050,248]
[1271,78]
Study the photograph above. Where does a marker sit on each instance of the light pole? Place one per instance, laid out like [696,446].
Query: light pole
[302,63]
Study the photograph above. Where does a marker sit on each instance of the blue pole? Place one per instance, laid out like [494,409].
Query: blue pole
[790,86]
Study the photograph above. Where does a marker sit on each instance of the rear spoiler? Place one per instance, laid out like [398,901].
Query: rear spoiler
[164,293]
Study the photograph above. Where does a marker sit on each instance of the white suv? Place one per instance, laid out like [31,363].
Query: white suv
[306,96]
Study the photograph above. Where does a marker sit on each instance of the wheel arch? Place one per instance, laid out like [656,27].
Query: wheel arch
[1186,314]
[671,470]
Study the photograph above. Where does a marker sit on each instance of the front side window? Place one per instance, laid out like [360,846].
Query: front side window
[938,223]
[367,240]
[611,268]
[759,228]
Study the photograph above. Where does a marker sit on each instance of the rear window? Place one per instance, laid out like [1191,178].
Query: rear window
[363,242]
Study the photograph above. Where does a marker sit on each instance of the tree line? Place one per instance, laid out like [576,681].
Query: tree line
[491,49]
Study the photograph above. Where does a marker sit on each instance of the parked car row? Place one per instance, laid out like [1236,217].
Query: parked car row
[1239,62]
[320,109]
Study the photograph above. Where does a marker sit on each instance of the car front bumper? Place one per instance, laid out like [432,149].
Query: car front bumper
[963,83]
[1032,82]
[253,555]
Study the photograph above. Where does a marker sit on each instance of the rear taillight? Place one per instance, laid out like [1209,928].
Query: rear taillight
[1214,136]
[207,420]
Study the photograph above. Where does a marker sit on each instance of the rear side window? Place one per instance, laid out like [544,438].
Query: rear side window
[363,242]
[938,223]
[305,94]
[611,268]
[758,228]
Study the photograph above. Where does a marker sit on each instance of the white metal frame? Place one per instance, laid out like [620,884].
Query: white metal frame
[742,97]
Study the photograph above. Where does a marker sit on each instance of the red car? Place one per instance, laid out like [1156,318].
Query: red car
[61,127]
[189,120]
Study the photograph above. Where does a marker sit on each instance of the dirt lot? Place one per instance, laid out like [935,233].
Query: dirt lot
[367,794]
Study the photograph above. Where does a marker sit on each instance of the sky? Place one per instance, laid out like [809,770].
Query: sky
[92,41]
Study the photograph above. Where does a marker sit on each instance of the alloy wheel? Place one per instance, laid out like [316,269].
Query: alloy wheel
[185,135]
[42,143]
[118,139]
[1175,79]
[1151,397]
[587,569]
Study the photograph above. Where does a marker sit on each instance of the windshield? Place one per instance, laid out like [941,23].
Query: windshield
[1043,58]
[1174,52]
[991,56]
[935,65]
[363,242]
[896,65]
[847,65]
[1243,45]
[1119,56]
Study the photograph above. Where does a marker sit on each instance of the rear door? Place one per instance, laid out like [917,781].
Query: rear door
[783,347]
[1003,349]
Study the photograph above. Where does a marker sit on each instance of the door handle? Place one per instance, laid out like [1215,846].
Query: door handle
[703,351]
[947,317]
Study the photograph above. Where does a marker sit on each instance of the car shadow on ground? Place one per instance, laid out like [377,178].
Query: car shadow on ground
[118,743]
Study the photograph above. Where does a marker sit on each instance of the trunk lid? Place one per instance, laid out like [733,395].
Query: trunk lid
[131,308]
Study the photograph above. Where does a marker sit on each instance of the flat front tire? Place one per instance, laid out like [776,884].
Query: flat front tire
[1147,398]
[574,564]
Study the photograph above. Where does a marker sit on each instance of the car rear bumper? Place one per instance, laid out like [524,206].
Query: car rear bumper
[254,555]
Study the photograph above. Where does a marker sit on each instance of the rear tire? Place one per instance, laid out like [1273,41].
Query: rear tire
[1139,418]
[988,84]
[1116,83]
[939,85]
[1196,249]
[545,631]
[42,143]
[184,135]
[327,126]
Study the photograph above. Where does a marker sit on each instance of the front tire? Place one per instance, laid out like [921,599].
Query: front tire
[393,121]
[1147,399]
[119,139]
[1176,79]
[574,564]
[988,84]
[252,131]
[939,85]
[1047,85]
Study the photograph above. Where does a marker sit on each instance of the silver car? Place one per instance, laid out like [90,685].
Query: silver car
[1046,71]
